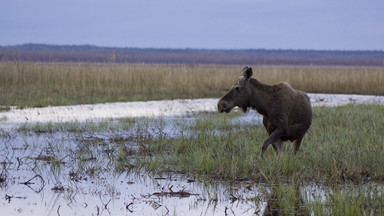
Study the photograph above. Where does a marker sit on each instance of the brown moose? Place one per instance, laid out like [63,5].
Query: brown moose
[287,113]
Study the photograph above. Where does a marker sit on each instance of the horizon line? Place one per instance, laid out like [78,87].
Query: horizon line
[190,48]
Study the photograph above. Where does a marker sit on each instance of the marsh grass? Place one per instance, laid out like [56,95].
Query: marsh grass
[43,84]
[4,108]
[344,144]
[71,126]
[347,199]
[77,126]
[342,151]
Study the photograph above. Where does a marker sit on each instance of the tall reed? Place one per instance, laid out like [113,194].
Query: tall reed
[43,84]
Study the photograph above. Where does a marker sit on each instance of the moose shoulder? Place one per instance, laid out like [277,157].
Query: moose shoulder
[287,112]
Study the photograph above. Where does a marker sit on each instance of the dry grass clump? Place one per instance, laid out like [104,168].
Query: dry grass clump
[43,84]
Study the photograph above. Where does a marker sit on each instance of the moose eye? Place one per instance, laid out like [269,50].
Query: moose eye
[237,88]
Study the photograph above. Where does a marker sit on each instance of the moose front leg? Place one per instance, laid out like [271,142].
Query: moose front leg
[274,137]
[277,146]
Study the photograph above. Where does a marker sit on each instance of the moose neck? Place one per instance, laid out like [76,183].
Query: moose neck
[261,94]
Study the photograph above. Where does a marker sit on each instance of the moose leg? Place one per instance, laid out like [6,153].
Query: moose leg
[275,136]
[296,145]
[277,146]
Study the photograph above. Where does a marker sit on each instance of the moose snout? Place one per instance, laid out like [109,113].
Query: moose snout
[223,106]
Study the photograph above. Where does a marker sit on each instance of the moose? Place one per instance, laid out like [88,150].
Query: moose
[287,112]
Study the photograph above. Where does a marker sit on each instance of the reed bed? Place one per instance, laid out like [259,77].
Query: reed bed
[43,84]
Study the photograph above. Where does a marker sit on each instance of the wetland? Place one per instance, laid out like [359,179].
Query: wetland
[135,139]
[180,157]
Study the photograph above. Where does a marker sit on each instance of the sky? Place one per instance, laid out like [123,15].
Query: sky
[203,24]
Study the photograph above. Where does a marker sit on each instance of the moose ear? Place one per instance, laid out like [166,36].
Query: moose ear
[247,72]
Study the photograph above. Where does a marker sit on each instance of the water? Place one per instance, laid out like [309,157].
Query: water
[73,174]
[169,108]
[78,173]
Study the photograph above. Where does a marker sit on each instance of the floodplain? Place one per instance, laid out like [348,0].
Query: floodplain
[194,163]
[136,139]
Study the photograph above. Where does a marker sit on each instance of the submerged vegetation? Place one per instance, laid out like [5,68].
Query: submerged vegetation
[344,144]
[338,170]
[43,84]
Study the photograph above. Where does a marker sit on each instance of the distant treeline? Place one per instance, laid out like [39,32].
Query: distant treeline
[95,54]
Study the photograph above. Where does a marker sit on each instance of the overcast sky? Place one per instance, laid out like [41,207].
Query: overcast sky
[227,24]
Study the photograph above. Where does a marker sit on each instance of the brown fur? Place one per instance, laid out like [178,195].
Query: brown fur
[287,113]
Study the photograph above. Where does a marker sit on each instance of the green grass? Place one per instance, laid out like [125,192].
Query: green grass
[342,153]
[351,200]
[25,84]
[301,199]
[343,144]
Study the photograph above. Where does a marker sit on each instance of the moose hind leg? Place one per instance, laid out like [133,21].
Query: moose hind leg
[296,145]
[277,146]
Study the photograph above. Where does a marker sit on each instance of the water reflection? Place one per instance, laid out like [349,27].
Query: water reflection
[75,173]
[79,173]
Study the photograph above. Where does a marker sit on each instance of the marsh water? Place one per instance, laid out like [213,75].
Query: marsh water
[78,172]
[70,173]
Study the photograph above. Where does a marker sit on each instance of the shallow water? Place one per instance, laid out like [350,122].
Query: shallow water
[77,173]
[169,108]
[72,174]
